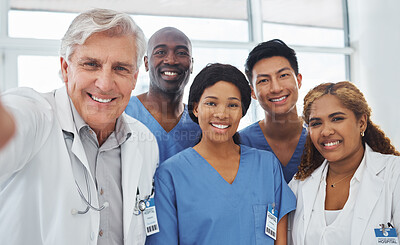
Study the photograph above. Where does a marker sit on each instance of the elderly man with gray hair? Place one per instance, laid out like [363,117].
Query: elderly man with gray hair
[77,169]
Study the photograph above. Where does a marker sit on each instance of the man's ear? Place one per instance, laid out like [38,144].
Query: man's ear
[135,76]
[64,69]
[253,94]
[146,62]
[299,80]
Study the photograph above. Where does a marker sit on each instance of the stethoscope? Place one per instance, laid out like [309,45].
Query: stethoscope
[89,200]
[140,204]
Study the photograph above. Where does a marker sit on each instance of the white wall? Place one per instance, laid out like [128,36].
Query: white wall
[375,37]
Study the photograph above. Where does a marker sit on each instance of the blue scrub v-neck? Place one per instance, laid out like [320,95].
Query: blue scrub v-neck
[254,137]
[232,191]
[186,133]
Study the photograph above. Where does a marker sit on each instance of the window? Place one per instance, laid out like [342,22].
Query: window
[41,24]
[304,35]
[319,68]
[221,31]
[53,25]
[305,22]
[205,29]
[39,72]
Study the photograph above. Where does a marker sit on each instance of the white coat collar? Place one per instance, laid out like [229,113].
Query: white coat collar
[66,120]
[310,189]
[371,186]
[64,111]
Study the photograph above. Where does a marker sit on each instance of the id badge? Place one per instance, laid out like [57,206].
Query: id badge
[386,236]
[150,218]
[272,221]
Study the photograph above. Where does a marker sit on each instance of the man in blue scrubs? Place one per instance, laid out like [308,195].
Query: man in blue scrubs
[169,63]
[273,73]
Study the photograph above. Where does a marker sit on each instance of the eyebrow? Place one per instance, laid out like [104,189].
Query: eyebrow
[279,71]
[233,98]
[176,47]
[88,59]
[229,98]
[125,64]
[336,113]
[330,116]
[119,63]
[263,75]
[283,69]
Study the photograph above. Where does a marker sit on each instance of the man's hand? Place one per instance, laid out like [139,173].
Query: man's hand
[7,126]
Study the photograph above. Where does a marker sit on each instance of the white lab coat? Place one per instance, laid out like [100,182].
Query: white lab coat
[37,188]
[378,199]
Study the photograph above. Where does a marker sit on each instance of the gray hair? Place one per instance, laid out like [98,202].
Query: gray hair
[99,20]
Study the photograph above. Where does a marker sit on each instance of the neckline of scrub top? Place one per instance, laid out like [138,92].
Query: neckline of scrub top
[233,192]
[299,146]
[155,122]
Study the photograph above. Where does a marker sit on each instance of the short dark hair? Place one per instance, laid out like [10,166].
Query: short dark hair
[210,75]
[270,49]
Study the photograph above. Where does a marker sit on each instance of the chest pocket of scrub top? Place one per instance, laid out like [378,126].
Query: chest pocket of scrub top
[260,216]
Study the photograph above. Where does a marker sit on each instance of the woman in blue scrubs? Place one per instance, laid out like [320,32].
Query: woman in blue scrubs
[221,192]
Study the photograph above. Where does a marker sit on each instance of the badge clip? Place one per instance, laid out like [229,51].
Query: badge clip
[271,223]
[386,234]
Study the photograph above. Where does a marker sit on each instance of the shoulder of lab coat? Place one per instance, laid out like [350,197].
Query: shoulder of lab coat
[378,200]
[31,112]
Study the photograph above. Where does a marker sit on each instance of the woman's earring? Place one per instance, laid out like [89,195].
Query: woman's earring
[362,134]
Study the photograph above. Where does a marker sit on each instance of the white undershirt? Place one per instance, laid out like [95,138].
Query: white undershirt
[332,227]
[331,215]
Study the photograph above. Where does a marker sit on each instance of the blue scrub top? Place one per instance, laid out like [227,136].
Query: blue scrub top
[254,137]
[195,205]
[185,134]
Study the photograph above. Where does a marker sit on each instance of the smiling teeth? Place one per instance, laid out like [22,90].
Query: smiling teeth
[220,126]
[170,73]
[280,99]
[100,100]
[332,143]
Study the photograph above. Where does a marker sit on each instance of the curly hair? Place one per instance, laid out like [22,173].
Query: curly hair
[353,99]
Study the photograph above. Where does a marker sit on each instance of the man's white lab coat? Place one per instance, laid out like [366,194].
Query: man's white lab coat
[37,185]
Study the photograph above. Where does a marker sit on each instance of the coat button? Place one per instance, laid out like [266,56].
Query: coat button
[101,233]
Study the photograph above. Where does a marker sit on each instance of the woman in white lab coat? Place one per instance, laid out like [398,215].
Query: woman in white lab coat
[348,183]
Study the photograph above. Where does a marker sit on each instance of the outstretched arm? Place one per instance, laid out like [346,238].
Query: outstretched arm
[7,126]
